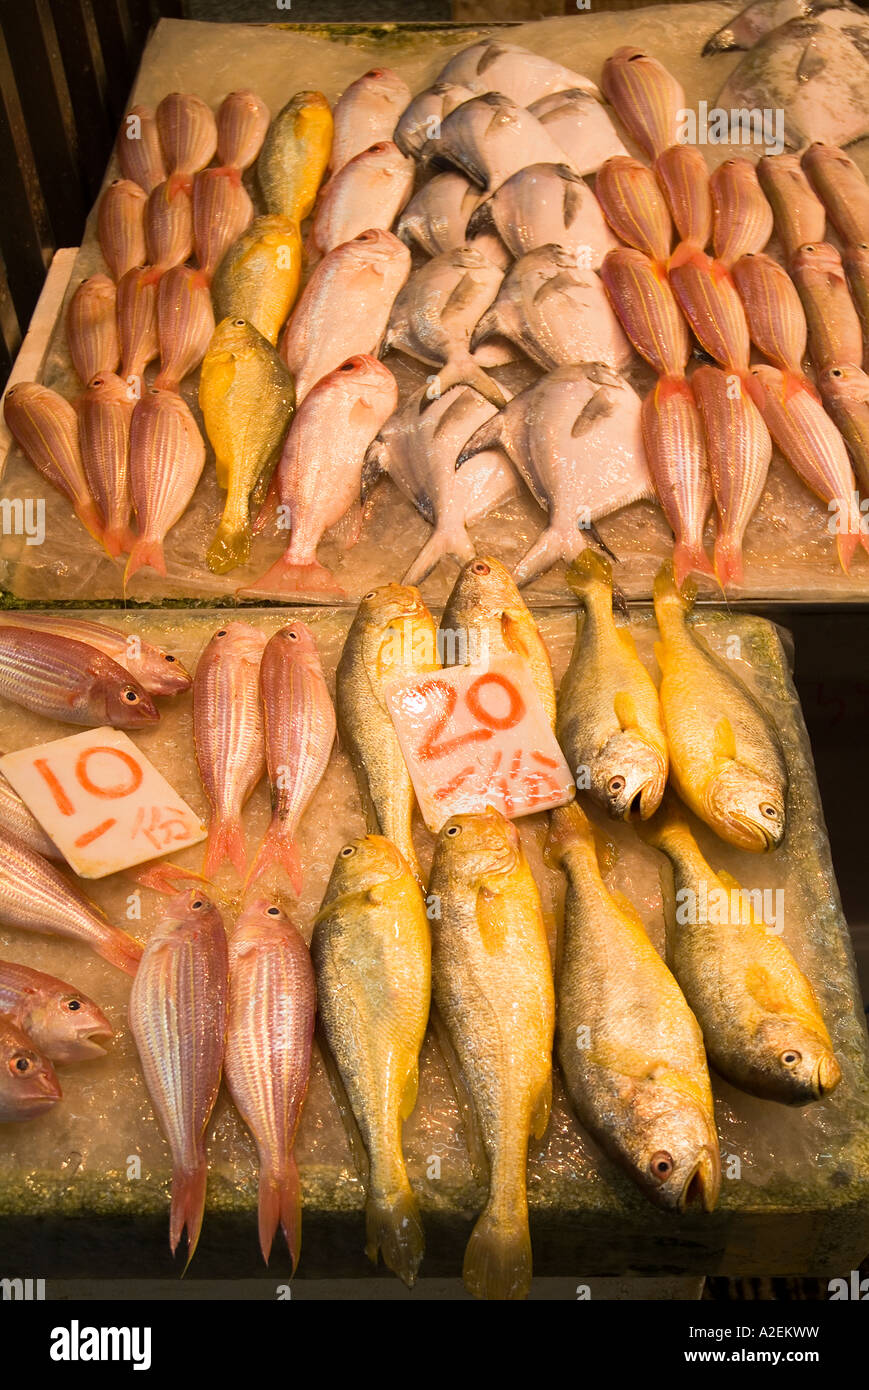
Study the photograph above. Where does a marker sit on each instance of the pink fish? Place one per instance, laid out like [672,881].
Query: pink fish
[683,174]
[45,426]
[634,206]
[91,327]
[61,1020]
[169,224]
[370,191]
[137,320]
[242,122]
[272,1004]
[299,723]
[222,210]
[138,148]
[648,312]
[188,133]
[167,456]
[366,112]
[28,1082]
[709,300]
[646,97]
[104,413]
[772,306]
[228,734]
[178,1015]
[676,453]
[185,324]
[742,217]
[121,227]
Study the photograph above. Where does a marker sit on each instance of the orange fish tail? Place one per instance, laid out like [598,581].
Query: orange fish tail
[728,560]
[188,1207]
[278,848]
[120,950]
[145,554]
[288,580]
[690,559]
[226,841]
[280,1204]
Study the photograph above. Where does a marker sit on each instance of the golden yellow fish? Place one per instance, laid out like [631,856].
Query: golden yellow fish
[258,278]
[295,155]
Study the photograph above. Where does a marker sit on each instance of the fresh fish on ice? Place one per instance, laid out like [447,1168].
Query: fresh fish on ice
[581,125]
[370,191]
[490,138]
[242,122]
[519,73]
[367,111]
[543,205]
[91,327]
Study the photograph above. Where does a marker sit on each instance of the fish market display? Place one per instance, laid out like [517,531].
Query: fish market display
[392,637]
[46,427]
[575,438]
[775,314]
[246,398]
[486,610]
[344,308]
[609,719]
[842,189]
[489,138]
[222,210]
[28,1082]
[242,122]
[545,204]
[372,955]
[36,897]
[295,155]
[121,227]
[365,113]
[370,191]
[682,173]
[137,320]
[187,131]
[742,217]
[521,74]
[492,985]
[738,453]
[835,334]
[185,324]
[157,671]
[319,477]
[91,327]
[138,148]
[798,213]
[178,1016]
[580,124]
[437,311]
[167,456]
[60,1020]
[647,99]
[104,411]
[228,736]
[726,761]
[258,278]
[556,312]
[761,1023]
[634,206]
[641,1084]
[61,678]
[169,225]
[299,730]
[418,447]
[270,1026]
[421,117]
[845,391]
[644,302]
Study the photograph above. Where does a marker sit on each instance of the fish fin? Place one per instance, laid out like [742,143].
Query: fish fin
[728,560]
[567,825]
[667,883]
[277,848]
[542,1110]
[439,544]
[409,1095]
[488,436]
[480,220]
[725,739]
[393,1229]
[627,908]
[375,464]
[766,990]
[625,710]
[88,514]
[513,634]
[589,572]
[188,1207]
[660,654]
[846,544]
[498,1258]
[118,540]
[549,547]
[286,580]
[626,637]
[685,252]
[489,325]
[490,919]
[728,880]
[120,949]
[690,559]
[145,554]
[165,877]
[348,528]
[598,407]
[464,371]
[225,841]
[229,549]
[280,1204]
[464,1099]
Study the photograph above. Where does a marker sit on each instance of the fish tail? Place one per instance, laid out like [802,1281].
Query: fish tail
[690,558]
[464,371]
[846,543]
[269,506]
[439,544]
[393,1228]
[488,436]
[548,548]
[225,841]
[145,554]
[728,560]
[278,848]
[117,540]
[487,327]
[280,1204]
[229,548]
[167,381]
[590,575]
[498,1258]
[188,1206]
[567,825]
[88,514]
[120,950]
[286,580]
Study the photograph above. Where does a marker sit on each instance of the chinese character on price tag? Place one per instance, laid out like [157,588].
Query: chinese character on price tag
[101,801]
[474,737]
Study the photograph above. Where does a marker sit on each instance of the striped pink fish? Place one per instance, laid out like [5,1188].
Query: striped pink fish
[676,453]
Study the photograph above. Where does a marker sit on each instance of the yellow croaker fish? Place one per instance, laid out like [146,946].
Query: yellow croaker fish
[760,1018]
[486,617]
[372,956]
[246,398]
[492,985]
[272,1003]
[726,761]
[392,638]
[295,154]
[630,1049]
[178,1009]
[258,278]
[609,719]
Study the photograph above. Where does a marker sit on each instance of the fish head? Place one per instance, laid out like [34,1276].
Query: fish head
[794,1058]
[366,380]
[480,844]
[233,337]
[484,588]
[69,1026]
[818,258]
[106,388]
[384,80]
[237,641]
[99,287]
[127,706]
[190,910]
[749,807]
[297,644]
[162,671]
[673,1146]
[256,926]
[390,604]
[362,864]
[844,382]
[628,776]
[28,1082]
[373,245]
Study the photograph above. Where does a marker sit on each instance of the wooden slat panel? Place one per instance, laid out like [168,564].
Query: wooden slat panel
[25,236]
[10,330]
[112,25]
[86,80]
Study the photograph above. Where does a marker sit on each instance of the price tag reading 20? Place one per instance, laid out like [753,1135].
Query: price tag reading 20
[474,737]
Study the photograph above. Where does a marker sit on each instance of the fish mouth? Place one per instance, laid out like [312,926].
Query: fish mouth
[93,1043]
[751,836]
[827,1075]
[702,1184]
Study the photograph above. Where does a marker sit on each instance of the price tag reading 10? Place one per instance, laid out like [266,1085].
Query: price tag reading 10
[101,801]
[474,737]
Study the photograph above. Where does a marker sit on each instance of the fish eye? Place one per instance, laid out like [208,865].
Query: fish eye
[221,633]
[481,568]
[20,1063]
[347,366]
[73,1005]
[131,696]
[166,657]
[97,381]
[238,323]
[273,911]
[347,851]
[809,247]
[616,785]
[372,594]
[292,634]
[836,371]
[661,1165]
[454,830]
[791,1057]
[197,903]
[769,810]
